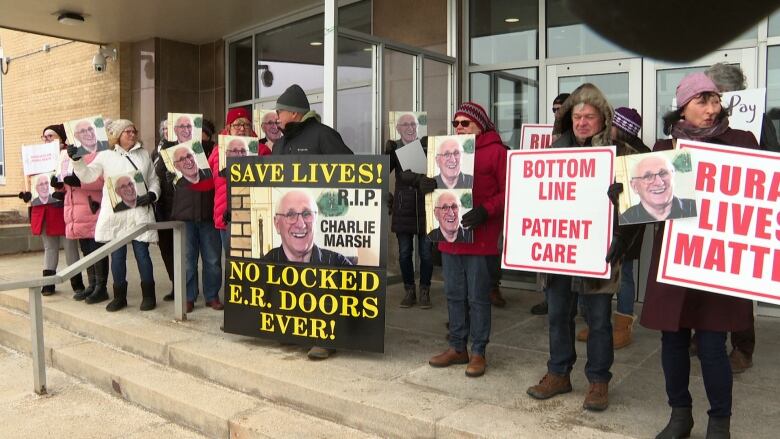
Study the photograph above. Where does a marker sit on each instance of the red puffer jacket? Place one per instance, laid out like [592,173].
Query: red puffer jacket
[488,191]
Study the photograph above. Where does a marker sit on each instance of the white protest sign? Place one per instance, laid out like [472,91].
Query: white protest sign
[747,109]
[733,247]
[557,217]
[39,159]
[535,136]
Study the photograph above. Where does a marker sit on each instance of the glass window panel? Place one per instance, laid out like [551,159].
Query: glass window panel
[666,86]
[567,36]
[435,80]
[774,24]
[417,23]
[503,30]
[355,96]
[397,88]
[773,86]
[241,70]
[480,89]
[516,102]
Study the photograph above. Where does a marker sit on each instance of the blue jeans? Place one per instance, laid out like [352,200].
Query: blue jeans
[715,369]
[466,285]
[562,307]
[406,252]
[627,292]
[204,240]
[119,263]
[225,237]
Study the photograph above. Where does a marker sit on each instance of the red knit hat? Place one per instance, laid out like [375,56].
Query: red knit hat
[236,113]
[476,114]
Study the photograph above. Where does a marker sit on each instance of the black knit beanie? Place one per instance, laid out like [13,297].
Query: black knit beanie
[293,99]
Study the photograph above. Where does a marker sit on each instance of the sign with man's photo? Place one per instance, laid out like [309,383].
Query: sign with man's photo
[188,161]
[407,126]
[88,135]
[124,189]
[184,127]
[41,190]
[236,146]
[451,164]
[308,249]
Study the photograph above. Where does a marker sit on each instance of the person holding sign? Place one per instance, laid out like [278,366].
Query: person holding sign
[677,311]
[465,265]
[126,155]
[584,120]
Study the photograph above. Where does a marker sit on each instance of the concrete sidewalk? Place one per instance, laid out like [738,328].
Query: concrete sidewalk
[397,394]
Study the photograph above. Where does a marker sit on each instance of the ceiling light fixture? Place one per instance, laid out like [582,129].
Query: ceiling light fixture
[70,18]
[316,43]
[511,20]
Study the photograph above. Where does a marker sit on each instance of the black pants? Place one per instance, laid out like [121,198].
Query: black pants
[494,268]
[166,250]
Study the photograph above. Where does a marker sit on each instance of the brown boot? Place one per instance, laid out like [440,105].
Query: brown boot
[621,330]
[597,399]
[583,334]
[496,299]
[549,386]
[739,361]
[449,357]
[476,367]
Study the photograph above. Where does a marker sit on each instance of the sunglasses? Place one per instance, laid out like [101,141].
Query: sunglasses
[463,123]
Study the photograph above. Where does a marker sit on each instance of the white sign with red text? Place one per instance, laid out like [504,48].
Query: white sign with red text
[733,247]
[557,217]
[535,136]
[39,159]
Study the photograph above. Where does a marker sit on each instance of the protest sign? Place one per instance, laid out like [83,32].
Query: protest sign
[657,186]
[451,164]
[746,109]
[535,136]
[184,127]
[41,190]
[407,125]
[87,134]
[412,157]
[37,159]
[188,161]
[307,256]
[124,189]
[557,217]
[733,247]
[236,146]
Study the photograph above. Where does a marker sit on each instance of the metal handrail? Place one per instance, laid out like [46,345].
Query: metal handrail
[33,287]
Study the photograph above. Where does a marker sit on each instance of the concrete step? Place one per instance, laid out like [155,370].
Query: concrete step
[182,398]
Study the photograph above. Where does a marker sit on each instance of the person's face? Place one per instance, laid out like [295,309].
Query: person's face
[128,137]
[447,213]
[448,159]
[125,188]
[556,107]
[702,111]
[285,117]
[42,186]
[240,127]
[184,162]
[587,122]
[295,221]
[183,129]
[407,128]
[165,131]
[235,148]
[271,127]
[653,181]
[85,133]
[464,125]
[50,136]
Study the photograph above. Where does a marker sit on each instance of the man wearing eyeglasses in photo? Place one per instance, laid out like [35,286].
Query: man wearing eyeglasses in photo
[125,188]
[295,221]
[653,181]
[270,126]
[447,213]
[183,129]
[84,131]
[184,162]
[448,156]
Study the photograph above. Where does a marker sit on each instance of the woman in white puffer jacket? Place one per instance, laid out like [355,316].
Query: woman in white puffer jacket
[126,155]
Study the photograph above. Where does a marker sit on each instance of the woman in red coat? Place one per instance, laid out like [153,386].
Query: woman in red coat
[677,311]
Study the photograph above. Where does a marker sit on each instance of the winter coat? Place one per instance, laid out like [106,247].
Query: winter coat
[79,219]
[488,192]
[49,216]
[408,200]
[670,307]
[310,136]
[220,183]
[113,162]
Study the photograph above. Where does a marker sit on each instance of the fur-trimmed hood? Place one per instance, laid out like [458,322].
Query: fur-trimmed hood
[586,94]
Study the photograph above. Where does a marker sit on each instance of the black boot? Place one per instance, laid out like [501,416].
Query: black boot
[718,428]
[120,298]
[100,294]
[90,288]
[680,424]
[48,290]
[425,296]
[411,296]
[149,300]
[77,283]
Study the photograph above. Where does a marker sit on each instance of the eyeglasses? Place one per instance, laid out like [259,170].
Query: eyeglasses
[132,131]
[650,177]
[271,123]
[49,137]
[291,217]
[555,109]
[451,207]
[463,123]
[183,127]
[125,186]
[240,125]
[188,157]
[449,155]
[84,131]
[407,125]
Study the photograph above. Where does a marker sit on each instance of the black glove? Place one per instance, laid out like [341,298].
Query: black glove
[72,151]
[426,184]
[226,216]
[169,177]
[72,180]
[614,191]
[223,172]
[56,184]
[145,199]
[390,200]
[25,196]
[58,195]
[94,206]
[616,250]
[474,217]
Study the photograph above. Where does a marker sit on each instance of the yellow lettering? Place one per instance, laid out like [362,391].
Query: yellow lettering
[235,294]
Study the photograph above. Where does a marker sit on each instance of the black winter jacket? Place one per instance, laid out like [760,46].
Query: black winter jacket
[408,201]
[310,136]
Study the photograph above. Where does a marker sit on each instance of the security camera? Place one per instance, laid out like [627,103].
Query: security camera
[99,63]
